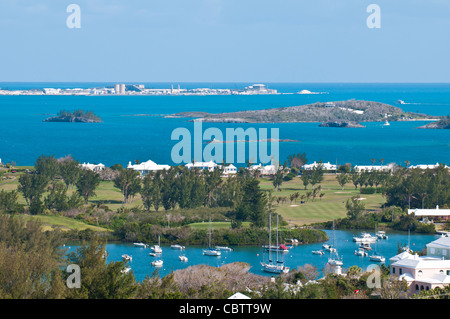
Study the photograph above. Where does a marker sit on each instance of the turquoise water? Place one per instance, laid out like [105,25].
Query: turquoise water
[122,137]
[298,256]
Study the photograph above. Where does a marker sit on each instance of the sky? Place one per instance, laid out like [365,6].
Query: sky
[224,41]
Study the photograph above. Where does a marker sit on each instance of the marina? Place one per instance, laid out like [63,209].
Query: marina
[298,255]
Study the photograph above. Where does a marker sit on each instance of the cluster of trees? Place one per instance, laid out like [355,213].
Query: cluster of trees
[54,177]
[79,114]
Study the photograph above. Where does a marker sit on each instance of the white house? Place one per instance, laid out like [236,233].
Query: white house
[421,273]
[325,166]
[439,248]
[229,170]
[422,166]
[430,213]
[210,166]
[146,167]
[93,167]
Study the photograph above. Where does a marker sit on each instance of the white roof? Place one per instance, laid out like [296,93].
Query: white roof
[238,295]
[417,262]
[443,242]
[202,164]
[147,166]
[429,212]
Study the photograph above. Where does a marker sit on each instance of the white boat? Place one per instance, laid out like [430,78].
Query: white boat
[400,102]
[377,257]
[278,267]
[210,251]
[157,248]
[127,257]
[176,246]
[157,263]
[381,234]
[278,248]
[365,246]
[154,254]
[361,252]
[318,252]
[126,270]
[329,248]
[224,248]
[334,259]
[141,245]
[183,258]
[365,238]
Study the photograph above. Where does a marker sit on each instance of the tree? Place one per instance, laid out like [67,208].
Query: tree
[278,179]
[342,179]
[47,166]
[69,171]
[306,178]
[87,183]
[100,280]
[253,205]
[32,186]
[9,203]
[128,182]
[354,207]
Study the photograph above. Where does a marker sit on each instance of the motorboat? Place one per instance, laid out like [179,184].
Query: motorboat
[361,252]
[224,248]
[335,262]
[176,246]
[318,252]
[365,246]
[381,234]
[126,270]
[365,238]
[329,248]
[211,252]
[141,245]
[157,263]
[127,257]
[183,258]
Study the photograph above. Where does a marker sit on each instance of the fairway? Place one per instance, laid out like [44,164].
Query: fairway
[330,206]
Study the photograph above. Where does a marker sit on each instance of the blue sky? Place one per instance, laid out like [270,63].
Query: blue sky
[225,41]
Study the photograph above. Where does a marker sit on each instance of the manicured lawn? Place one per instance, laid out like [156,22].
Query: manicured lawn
[331,205]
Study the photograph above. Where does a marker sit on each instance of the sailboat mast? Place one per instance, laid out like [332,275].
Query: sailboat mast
[270,238]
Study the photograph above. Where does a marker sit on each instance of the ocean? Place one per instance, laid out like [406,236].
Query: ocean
[134,127]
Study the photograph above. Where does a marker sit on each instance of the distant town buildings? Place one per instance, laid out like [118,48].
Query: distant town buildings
[139,89]
[372,168]
[325,166]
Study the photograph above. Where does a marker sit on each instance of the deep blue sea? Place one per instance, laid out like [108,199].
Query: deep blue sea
[123,136]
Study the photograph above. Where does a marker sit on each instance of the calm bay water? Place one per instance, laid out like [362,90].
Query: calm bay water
[297,256]
[123,136]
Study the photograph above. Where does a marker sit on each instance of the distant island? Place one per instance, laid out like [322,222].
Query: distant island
[332,114]
[77,116]
[443,124]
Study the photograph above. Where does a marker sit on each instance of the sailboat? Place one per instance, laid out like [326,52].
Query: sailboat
[278,267]
[386,123]
[157,248]
[211,251]
[376,256]
[334,259]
